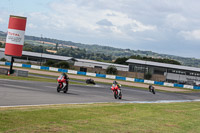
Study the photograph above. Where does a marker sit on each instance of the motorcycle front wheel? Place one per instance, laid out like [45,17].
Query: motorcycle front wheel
[115,95]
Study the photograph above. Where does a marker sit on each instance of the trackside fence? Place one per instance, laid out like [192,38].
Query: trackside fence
[100,75]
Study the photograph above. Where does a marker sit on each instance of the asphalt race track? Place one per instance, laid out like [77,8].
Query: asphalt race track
[14,93]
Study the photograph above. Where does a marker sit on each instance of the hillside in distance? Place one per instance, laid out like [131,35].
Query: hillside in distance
[106,50]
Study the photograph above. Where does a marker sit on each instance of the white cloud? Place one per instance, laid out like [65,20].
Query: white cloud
[1,20]
[150,39]
[139,27]
[32,26]
[176,21]
[104,22]
[39,15]
[80,19]
[120,20]
[191,35]
[87,17]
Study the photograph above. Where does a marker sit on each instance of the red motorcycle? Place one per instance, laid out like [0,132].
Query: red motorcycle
[63,82]
[116,88]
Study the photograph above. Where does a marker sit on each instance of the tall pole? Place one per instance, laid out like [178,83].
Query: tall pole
[11,65]
[41,51]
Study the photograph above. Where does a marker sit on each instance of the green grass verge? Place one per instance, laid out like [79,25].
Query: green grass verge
[32,78]
[109,117]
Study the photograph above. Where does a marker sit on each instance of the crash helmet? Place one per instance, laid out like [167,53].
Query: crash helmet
[64,74]
[150,86]
[114,82]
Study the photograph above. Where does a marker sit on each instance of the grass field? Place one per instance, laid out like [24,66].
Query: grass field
[109,117]
[32,78]
[105,117]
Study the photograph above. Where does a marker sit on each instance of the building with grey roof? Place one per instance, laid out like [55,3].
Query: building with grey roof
[78,64]
[98,64]
[37,57]
[166,72]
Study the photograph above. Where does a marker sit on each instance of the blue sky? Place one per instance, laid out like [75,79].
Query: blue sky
[163,26]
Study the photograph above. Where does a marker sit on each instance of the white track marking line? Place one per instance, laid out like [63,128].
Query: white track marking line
[160,101]
[163,101]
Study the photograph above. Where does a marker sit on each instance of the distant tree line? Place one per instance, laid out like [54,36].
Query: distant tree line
[61,64]
[84,54]
[70,52]
[122,60]
[2,45]
[161,60]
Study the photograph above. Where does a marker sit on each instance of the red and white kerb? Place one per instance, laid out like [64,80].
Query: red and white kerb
[15,36]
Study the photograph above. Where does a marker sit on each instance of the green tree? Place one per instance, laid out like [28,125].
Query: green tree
[2,45]
[111,70]
[62,64]
[56,46]
[169,61]
[121,61]
[147,75]
[3,59]
[50,63]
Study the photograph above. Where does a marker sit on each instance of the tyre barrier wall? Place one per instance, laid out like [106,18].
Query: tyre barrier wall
[101,75]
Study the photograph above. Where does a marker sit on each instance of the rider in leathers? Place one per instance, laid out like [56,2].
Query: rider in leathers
[115,86]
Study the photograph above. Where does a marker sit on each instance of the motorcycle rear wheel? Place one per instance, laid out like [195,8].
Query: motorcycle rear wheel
[120,96]
[58,88]
[115,95]
[66,89]
[153,91]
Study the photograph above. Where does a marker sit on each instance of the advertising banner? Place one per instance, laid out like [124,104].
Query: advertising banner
[15,36]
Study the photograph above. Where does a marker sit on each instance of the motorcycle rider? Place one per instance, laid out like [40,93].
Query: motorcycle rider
[65,75]
[150,88]
[90,81]
[115,85]
[66,79]
[116,90]
[63,83]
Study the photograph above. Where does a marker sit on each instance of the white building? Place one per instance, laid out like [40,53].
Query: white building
[97,64]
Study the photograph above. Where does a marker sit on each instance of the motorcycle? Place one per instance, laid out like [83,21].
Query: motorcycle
[152,89]
[90,81]
[62,83]
[117,91]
